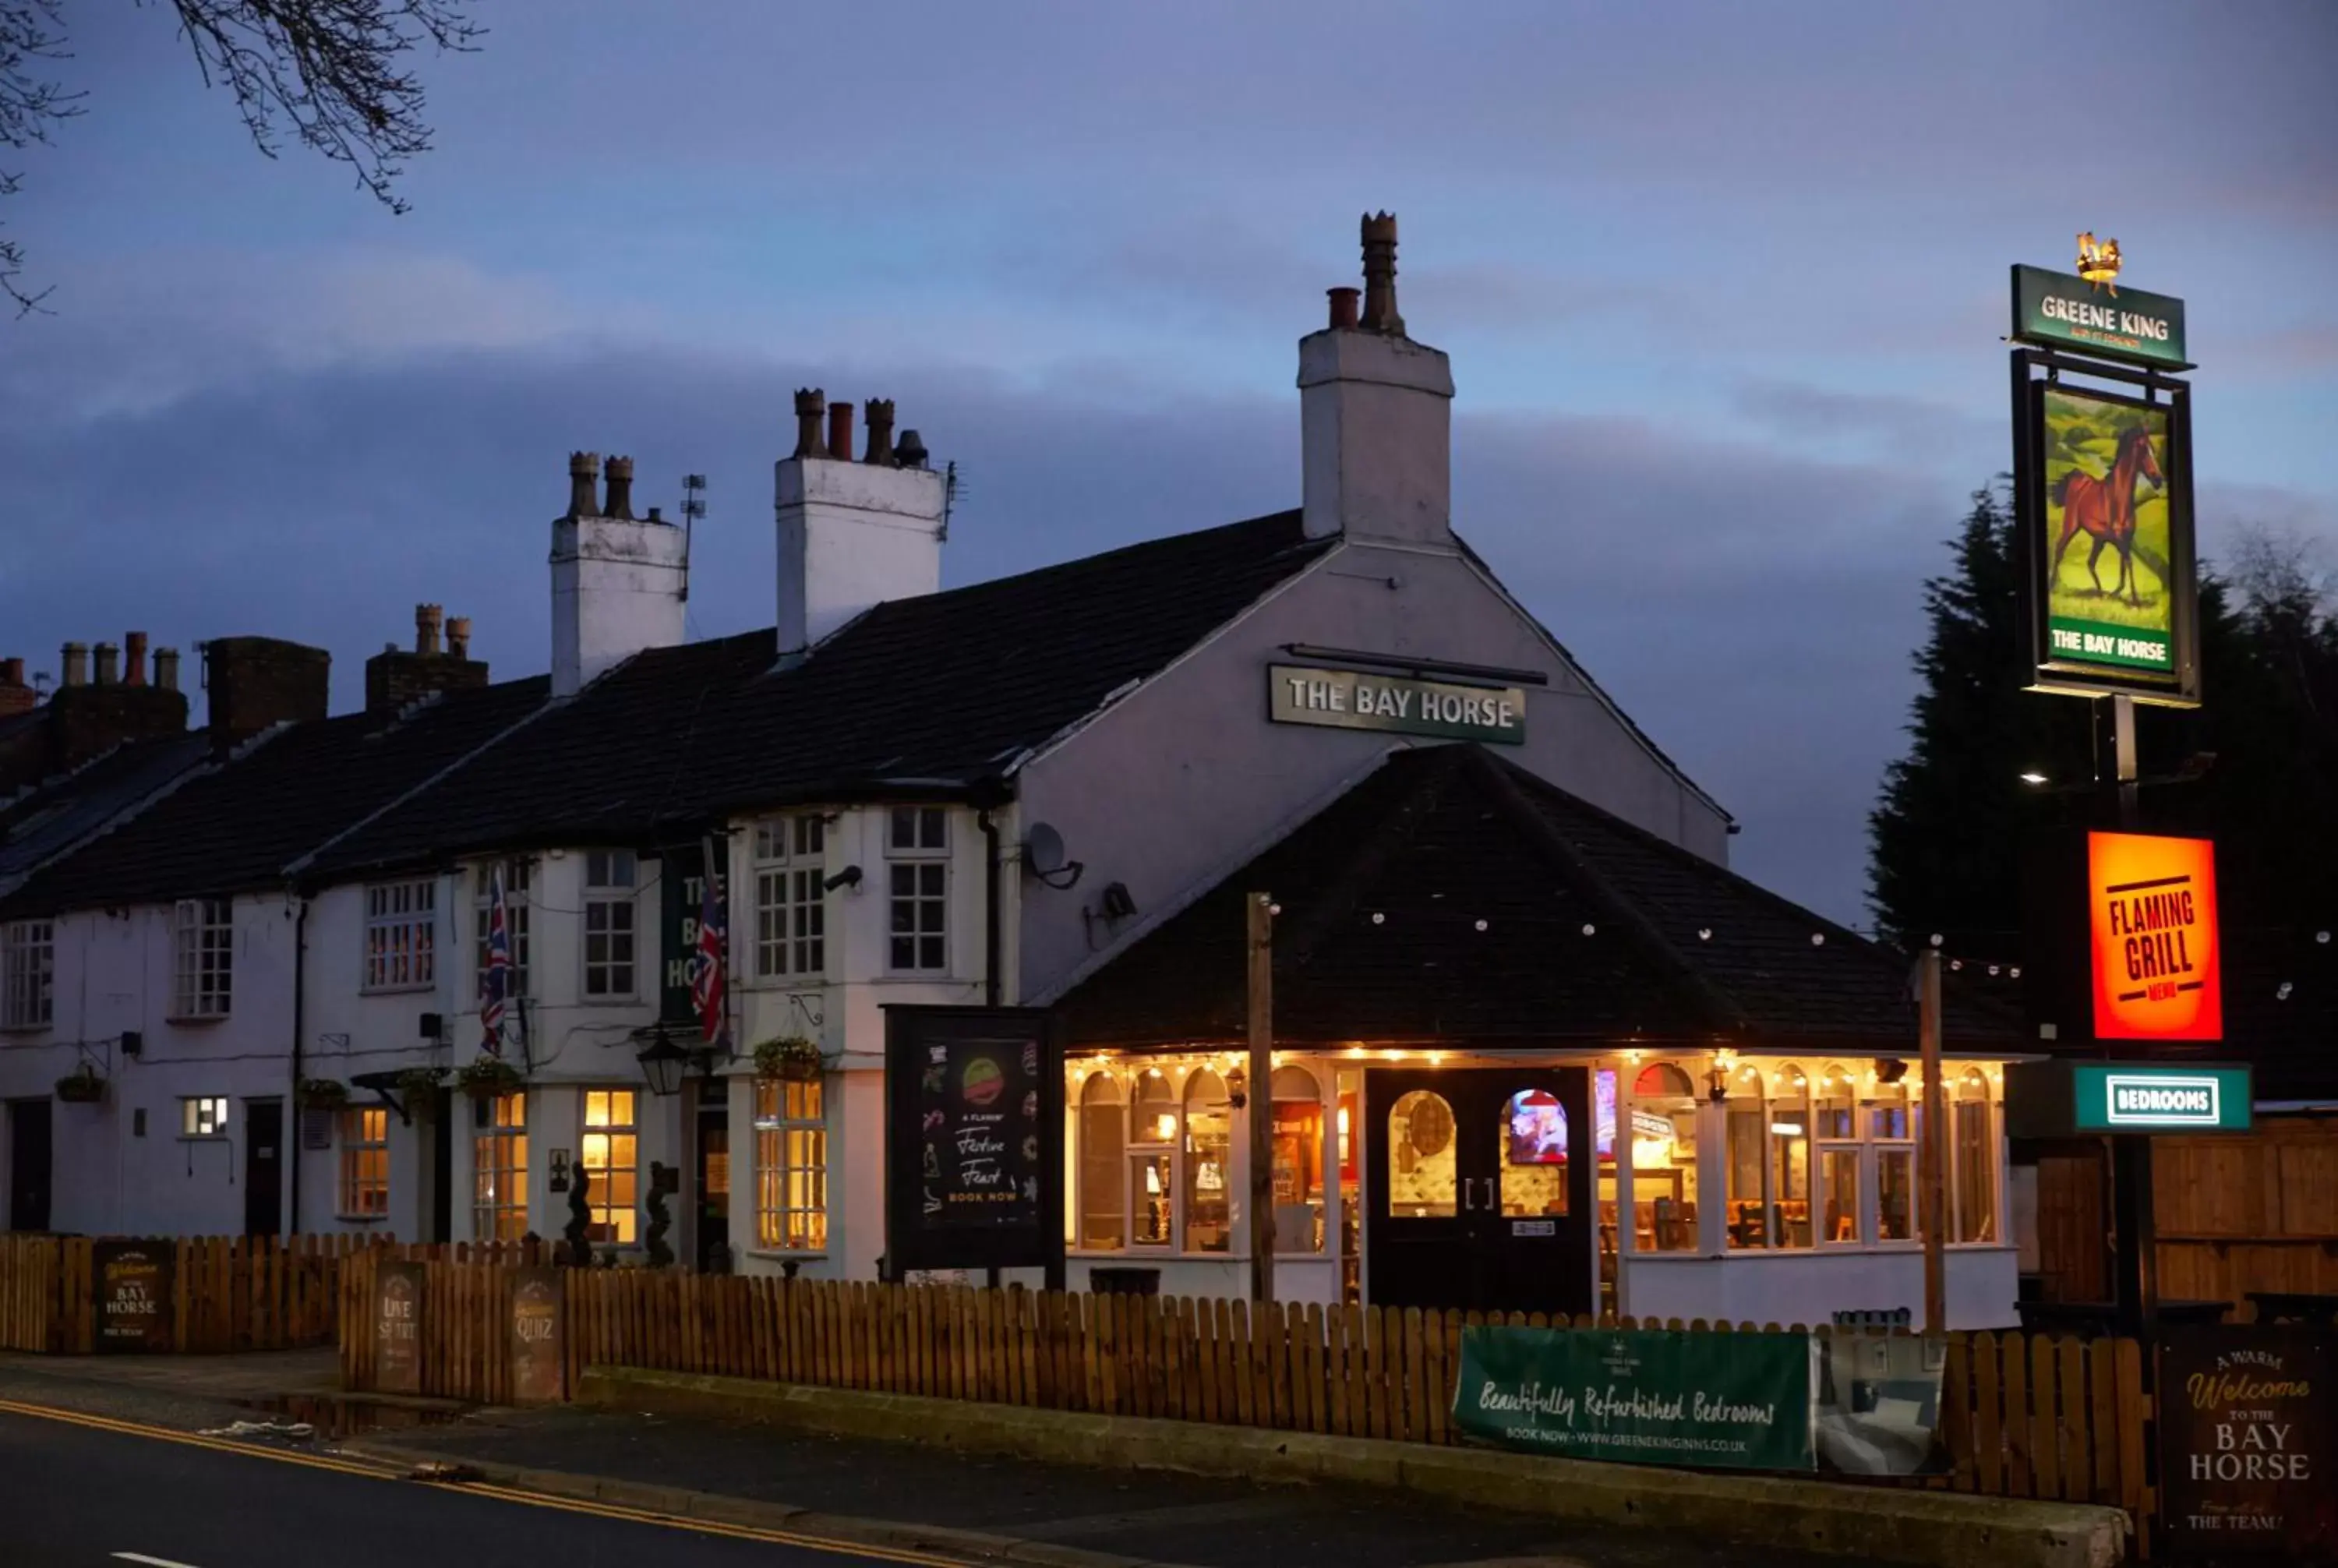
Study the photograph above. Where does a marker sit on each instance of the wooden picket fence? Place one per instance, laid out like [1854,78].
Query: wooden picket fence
[228,1293]
[2021,1416]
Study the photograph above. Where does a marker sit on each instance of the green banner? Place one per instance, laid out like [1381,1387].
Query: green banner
[2060,311]
[1727,1401]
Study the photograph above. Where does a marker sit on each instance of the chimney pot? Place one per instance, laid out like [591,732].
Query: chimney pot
[459,636]
[657,514]
[909,452]
[108,665]
[166,669]
[619,471]
[1379,275]
[76,663]
[427,619]
[880,419]
[1343,307]
[133,659]
[840,432]
[584,468]
[811,401]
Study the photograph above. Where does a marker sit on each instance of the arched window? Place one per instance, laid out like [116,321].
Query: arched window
[1209,1171]
[1422,1163]
[1103,1153]
[1533,1154]
[1790,1157]
[1748,1122]
[1664,1159]
[1834,1116]
[1974,1138]
[1298,1160]
[1891,1127]
[1151,1133]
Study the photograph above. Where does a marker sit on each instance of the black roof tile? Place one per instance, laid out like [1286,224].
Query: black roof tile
[1446,899]
[49,819]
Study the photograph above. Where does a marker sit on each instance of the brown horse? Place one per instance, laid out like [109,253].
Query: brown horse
[2105,508]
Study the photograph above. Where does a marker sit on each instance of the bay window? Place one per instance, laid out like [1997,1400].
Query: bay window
[1663,1159]
[1297,1107]
[1972,1137]
[1891,1128]
[1152,1135]
[1834,1117]
[1103,1148]
[1209,1169]
[791,1165]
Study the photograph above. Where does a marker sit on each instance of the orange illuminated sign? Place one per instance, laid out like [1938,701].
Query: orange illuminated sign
[2158,970]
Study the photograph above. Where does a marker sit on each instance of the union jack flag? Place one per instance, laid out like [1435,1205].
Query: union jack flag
[496,973]
[706,963]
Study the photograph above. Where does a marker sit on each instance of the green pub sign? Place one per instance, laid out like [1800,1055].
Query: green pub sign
[1356,699]
[2128,1097]
[2057,310]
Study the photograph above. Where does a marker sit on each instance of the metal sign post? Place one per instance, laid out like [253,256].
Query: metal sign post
[1262,1097]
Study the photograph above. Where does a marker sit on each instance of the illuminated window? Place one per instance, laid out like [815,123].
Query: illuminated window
[203,1116]
[499,1171]
[1748,1122]
[609,1150]
[1209,1164]
[401,934]
[1423,1173]
[1790,1157]
[1834,1115]
[1533,1153]
[1151,1193]
[1893,1131]
[365,1163]
[1663,1159]
[791,1165]
[1974,1138]
[1298,1161]
[1104,1152]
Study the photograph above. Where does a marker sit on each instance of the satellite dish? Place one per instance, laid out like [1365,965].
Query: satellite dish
[1043,856]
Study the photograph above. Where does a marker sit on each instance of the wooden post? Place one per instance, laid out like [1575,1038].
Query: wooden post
[1262,1097]
[1932,1156]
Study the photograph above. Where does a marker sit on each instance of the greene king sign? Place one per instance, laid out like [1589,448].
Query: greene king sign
[2060,311]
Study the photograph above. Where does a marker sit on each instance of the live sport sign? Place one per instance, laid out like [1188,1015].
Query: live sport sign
[2061,311]
[2156,960]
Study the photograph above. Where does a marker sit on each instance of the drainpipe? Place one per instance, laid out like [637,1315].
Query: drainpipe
[990,896]
[300,1000]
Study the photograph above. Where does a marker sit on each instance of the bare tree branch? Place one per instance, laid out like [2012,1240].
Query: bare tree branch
[336,72]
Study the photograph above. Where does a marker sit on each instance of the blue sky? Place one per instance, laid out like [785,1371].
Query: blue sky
[1723,286]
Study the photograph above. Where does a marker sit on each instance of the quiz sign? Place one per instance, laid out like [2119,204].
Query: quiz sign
[2156,960]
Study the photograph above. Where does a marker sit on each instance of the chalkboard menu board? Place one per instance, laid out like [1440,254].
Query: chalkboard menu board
[2248,1437]
[397,1327]
[134,1296]
[538,1341]
[975,1119]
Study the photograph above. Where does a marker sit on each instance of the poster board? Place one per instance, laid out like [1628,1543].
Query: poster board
[2248,1434]
[536,1310]
[134,1281]
[397,1320]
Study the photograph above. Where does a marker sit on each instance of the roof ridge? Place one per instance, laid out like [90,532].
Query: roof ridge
[1728,1014]
[1371,855]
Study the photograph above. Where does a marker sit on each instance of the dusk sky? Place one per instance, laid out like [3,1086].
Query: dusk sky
[1723,285]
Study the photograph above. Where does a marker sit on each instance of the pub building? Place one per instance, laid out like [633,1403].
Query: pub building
[1527,1056]
[1538,1045]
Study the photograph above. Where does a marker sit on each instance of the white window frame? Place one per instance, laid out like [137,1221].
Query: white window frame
[611,1224]
[28,971]
[203,958]
[792,1167]
[616,906]
[519,879]
[401,934]
[204,1116]
[791,897]
[918,873]
[1992,1144]
[356,1183]
[502,1195]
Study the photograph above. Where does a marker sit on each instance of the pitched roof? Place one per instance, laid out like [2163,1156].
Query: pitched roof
[49,819]
[236,826]
[938,692]
[1452,896]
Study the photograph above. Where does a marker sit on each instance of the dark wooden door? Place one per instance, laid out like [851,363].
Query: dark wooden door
[263,1167]
[713,1234]
[1473,1198]
[28,1164]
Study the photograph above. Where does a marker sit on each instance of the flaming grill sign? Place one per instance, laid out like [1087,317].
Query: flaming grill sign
[2157,970]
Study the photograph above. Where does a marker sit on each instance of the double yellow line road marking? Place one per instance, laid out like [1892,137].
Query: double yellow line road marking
[379,1471]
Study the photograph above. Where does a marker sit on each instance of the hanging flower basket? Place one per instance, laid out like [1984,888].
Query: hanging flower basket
[790,1057]
[323,1093]
[81,1086]
[417,1090]
[488,1076]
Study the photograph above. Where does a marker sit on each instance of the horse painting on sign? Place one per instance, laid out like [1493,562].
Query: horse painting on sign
[2104,509]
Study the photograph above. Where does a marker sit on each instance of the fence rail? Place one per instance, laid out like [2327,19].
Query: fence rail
[228,1292]
[2021,1416]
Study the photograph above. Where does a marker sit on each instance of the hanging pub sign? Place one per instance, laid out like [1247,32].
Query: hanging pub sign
[2248,1437]
[133,1281]
[2103,501]
[1361,699]
[681,888]
[2057,310]
[974,1105]
[2157,962]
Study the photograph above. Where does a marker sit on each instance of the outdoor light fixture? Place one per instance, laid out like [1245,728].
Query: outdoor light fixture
[1238,1088]
[663,1063]
[2033,777]
[1891,1072]
[848,878]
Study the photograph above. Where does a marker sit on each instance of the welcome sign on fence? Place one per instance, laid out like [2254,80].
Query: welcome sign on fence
[1648,1396]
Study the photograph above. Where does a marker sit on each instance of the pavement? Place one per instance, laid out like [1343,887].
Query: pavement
[874,1499]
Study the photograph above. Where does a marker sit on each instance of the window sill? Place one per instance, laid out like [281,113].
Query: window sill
[194,1020]
[42,1028]
[203,1138]
[362,1219]
[786,1255]
[402,988]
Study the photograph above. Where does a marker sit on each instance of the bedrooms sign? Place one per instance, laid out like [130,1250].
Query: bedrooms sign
[1355,699]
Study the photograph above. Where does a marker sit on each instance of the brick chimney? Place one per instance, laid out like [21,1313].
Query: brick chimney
[395,679]
[617,581]
[259,682]
[89,718]
[16,693]
[1376,415]
[853,534]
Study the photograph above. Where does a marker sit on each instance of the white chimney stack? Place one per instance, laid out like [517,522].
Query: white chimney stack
[853,534]
[1376,415]
[617,581]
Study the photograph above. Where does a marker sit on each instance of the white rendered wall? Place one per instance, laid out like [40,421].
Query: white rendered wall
[617,590]
[852,535]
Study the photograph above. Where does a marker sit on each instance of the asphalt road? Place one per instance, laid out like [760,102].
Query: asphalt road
[74,1495]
